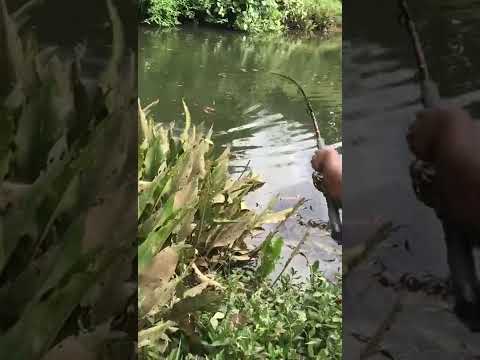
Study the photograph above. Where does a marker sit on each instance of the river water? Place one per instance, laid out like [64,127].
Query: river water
[224,78]
[380,97]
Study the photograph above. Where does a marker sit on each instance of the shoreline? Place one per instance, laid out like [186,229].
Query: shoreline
[335,29]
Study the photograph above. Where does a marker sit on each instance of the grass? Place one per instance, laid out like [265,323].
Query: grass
[256,16]
[197,274]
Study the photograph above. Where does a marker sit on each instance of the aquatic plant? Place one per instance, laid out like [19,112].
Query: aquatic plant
[201,289]
[193,226]
[64,156]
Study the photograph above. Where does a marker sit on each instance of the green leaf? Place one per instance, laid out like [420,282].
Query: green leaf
[269,256]
[214,319]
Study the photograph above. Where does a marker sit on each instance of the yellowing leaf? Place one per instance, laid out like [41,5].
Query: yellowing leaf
[218,199]
[188,121]
[154,334]
[186,195]
[162,267]
[196,290]
[244,206]
[276,217]
[230,233]
[241,257]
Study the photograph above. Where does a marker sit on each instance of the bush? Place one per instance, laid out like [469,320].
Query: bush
[163,13]
[246,15]
[260,16]
[290,320]
[200,288]
[192,221]
[311,15]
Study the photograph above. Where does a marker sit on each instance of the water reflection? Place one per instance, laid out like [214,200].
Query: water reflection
[224,78]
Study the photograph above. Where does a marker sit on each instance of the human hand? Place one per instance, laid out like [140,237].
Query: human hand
[329,163]
[449,138]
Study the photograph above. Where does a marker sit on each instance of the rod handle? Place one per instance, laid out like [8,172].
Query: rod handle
[430,93]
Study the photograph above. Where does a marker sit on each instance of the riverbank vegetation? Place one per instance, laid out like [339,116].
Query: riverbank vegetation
[67,273]
[203,293]
[257,16]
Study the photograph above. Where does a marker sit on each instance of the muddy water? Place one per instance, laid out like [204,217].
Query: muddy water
[380,100]
[224,78]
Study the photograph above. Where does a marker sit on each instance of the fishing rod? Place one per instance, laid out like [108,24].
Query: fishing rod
[333,208]
[458,240]
[429,89]
[318,136]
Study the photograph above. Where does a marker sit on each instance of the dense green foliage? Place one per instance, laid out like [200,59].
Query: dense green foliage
[246,15]
[192,223]
[192,230]
[255,320]
[64,170]
[291,320]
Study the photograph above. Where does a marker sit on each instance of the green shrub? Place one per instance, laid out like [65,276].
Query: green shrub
[260,16]
[199,291]
[311,15]
[192,221]
[290,320]
[246,15]
[163,13]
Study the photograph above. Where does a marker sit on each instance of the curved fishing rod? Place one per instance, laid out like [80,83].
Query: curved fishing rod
[333,208]
[459,241]
[318,136]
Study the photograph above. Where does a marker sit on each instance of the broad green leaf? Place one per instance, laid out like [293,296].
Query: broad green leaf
[153,158]
[214,319]
[270,254]
[154,243]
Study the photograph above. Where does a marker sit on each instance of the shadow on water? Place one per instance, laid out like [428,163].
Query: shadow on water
[380,97]
[223,77]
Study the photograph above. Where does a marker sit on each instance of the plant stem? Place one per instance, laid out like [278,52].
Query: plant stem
[292,255]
